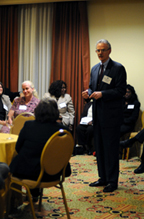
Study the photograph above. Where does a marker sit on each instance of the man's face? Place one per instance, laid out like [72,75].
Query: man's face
[103,52]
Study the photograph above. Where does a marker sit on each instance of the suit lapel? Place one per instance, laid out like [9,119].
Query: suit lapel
[106,72]
[95,80]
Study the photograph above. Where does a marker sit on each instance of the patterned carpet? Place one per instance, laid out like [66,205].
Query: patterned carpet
[85,202]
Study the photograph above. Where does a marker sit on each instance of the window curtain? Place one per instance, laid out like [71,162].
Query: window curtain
[35,41]
[9,47]
[70,50]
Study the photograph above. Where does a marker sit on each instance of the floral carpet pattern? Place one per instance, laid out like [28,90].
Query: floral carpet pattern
[86,202]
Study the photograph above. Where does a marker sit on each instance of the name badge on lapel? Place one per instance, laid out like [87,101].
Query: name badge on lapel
[130,106]
[106,79]
[62,105]
[22,107]
[5,107]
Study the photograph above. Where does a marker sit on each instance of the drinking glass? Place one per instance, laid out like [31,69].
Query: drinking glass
[9,124]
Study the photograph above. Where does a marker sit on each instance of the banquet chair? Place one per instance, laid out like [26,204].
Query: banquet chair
[133,134]
[54,158]
[19,121]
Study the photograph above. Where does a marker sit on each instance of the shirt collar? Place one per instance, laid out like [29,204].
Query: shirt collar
[105,63]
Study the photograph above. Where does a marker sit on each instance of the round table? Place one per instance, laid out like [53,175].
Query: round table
[7,147]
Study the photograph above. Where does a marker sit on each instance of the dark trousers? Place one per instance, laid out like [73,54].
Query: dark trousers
[106,142]
[124,129]
[84,134]
[140,137]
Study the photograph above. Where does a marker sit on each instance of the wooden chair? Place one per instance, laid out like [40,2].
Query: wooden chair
[133,134]
[20,120]
[54,158]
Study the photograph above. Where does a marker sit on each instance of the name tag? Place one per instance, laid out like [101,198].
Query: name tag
[22,107]
[131,106]
[62,105]
[106,79]
[5,107]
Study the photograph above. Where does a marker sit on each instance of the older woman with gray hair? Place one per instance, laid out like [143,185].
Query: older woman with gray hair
[26,103]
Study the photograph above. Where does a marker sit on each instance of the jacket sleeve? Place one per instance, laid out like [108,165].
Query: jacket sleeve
[21,138]
[71,111]
[8,103]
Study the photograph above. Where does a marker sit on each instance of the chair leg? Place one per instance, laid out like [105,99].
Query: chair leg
[123,153]
[65,202]
[40,200]
[31,203]
[127,154]
[8,198]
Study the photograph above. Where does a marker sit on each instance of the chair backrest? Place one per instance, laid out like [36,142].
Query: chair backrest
[20,120]
[142,119]
[138,124]
[57,152]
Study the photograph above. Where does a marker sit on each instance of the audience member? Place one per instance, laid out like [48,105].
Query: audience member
[5,106]
[31,141]
[107,87]
[84,131]
[57,91]
[27,103]
[131,107]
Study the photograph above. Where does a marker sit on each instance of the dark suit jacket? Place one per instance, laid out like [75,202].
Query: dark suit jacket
[109,107]
[31,141]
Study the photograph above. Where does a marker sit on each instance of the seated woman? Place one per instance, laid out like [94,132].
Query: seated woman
[5,106]
[131,107]
[27,103]
[57,91]
[31,141]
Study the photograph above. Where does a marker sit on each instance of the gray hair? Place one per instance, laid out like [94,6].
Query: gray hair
[35,94]
[104,41]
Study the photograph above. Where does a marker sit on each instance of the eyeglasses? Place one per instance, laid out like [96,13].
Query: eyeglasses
[101,50]
[63,88]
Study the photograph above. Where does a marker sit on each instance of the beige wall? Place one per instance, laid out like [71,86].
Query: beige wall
[121,23]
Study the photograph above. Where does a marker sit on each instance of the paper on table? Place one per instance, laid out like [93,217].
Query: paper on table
[85,120]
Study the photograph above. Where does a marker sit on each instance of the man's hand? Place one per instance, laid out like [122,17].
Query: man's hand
[96,95]
[85,94]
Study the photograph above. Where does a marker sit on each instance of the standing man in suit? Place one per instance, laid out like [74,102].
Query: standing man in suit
[107,87]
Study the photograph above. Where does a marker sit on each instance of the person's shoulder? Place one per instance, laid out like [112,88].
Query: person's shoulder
[46,95]
[30,124]
[6,97]
[115,63]
[67,95]
[95,66]
[136,102]
[35,99]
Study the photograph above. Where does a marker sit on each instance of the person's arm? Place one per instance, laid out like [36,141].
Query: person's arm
[21,138]
[71,112]
[2,122]
[10,115]
[8,102]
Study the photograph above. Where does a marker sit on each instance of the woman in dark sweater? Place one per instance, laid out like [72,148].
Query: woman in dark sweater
[31,141]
